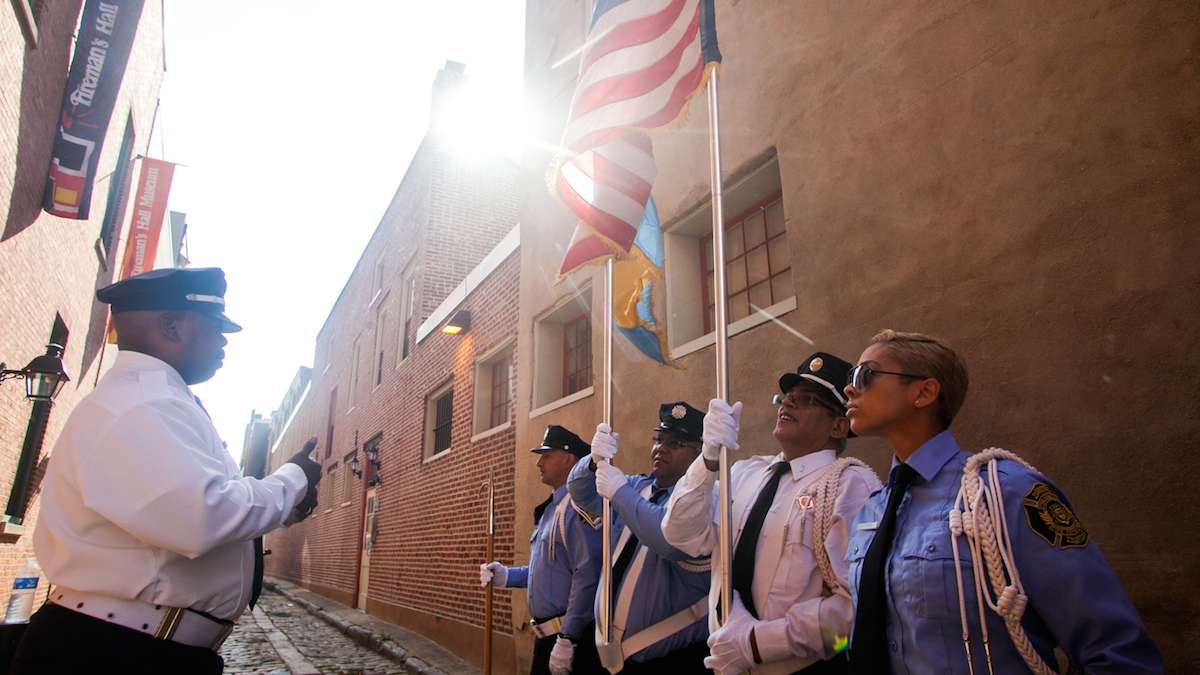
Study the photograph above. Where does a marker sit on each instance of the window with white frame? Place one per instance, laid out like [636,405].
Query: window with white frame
[494,388]
[329,426]
[758,265]
[355,355]
[381,317]
[439,417]
[758,274]
[325,357]
[325,489]
[379,268]
[563,350]
[407,322]
[118,191]
[348,479]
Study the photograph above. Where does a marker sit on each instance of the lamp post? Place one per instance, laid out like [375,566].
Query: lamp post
[44,379]
[44,376]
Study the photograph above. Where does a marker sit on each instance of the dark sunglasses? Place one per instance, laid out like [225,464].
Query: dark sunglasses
[862,375]
[801,400]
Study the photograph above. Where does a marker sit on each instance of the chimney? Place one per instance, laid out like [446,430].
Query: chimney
[446,85]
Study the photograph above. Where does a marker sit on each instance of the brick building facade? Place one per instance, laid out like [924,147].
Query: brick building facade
[435,409]
[49,266]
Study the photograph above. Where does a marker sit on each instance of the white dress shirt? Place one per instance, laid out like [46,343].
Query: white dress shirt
[799,620]
[142,501]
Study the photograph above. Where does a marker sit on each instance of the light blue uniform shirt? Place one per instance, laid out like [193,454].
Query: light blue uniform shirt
[664,586]
[1076,601]
[563,584]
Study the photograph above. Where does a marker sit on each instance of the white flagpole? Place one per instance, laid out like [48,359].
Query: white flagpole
[606,528]
[724,532]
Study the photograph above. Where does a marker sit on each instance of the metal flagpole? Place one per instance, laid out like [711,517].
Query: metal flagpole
[489,555]
[724,533]
[606,529]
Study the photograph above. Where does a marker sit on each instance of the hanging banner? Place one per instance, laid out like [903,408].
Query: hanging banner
[149,209]
[101,52]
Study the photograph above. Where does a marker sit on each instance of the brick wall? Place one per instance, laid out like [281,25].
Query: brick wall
[478,198]
[48,265]
[442,221]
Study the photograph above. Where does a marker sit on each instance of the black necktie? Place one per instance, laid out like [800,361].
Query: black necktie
[539,510]
[869,650]
[626,555]
[256,589]
[257,582]
[747,543]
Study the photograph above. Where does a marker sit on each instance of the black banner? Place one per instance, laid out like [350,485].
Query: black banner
[105,39]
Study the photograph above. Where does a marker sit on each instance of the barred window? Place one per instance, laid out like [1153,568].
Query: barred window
[439,414]
[757,262]
[577,354]
[501,390]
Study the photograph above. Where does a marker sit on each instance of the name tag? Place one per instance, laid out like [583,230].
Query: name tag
[868,527]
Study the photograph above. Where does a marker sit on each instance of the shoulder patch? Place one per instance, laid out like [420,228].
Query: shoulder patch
[592,521]
[1051,519]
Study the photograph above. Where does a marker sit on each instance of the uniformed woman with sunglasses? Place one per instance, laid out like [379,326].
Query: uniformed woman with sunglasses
[983,574]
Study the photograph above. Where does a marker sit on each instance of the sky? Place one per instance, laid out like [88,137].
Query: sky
[295,122]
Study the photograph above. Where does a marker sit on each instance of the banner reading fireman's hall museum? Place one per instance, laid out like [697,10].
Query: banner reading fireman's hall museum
[101,52]
[145,227]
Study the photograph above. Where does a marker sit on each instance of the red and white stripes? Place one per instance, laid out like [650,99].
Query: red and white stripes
[642,63]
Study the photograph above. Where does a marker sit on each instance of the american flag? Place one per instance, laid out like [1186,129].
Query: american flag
[641,64]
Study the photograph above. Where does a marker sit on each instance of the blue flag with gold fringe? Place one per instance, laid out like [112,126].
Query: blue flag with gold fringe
[634,276]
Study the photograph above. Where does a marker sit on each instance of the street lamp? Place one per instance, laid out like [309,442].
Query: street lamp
[44,376]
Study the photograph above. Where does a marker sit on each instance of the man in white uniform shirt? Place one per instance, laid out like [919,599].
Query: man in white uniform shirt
[791,610]
[147,533]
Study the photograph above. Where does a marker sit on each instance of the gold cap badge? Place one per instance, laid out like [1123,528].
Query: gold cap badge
[815,364]
[679,412]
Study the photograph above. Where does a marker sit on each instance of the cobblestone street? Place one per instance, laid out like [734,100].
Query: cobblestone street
[280,637]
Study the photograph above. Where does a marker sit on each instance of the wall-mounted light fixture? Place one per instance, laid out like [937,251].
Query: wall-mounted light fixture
[371,450]
[459,323]
[44,376]
[354,466]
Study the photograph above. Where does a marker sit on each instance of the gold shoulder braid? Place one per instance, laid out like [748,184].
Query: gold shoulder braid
[1053,520]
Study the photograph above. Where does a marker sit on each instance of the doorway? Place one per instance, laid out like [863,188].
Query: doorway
[368,539]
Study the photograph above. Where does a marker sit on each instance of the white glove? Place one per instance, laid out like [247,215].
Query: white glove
[561,656]
[609,479]
[729,645]
[494,572]
[720,428]
[604,444]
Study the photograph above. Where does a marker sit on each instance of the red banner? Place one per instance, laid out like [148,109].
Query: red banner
[149,208]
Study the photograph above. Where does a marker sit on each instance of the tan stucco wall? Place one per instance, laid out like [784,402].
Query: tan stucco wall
[1017,178]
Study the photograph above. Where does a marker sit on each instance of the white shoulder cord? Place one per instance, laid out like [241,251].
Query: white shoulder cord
[978,513]
[824,499]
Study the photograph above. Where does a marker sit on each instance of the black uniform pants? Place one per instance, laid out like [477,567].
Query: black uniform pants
[59,640]
[586,661]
